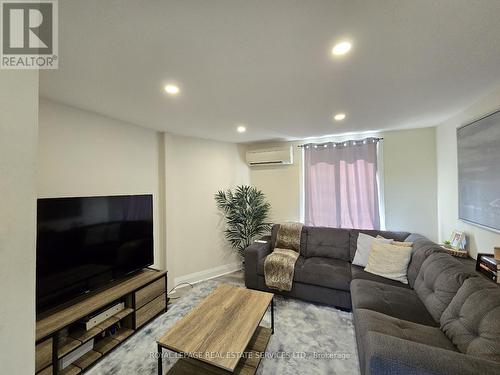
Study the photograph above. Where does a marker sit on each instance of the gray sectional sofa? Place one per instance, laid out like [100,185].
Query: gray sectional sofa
[445,321]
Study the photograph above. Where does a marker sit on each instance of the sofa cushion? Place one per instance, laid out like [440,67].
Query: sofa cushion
[373,321]
[327,243]
[389,355]
[438,281]
[370,323]
[401,303]
[326,272]
[353,234]
[422,248]
[472,319]
[359,273]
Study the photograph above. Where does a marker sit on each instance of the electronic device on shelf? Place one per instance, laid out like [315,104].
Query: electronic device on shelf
[100,316]
[85,243]
[76,354]
[488,266]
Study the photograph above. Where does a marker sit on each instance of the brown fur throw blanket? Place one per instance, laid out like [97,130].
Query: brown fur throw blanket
[279,266]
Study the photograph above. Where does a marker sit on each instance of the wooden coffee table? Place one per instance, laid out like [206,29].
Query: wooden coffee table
[217,332]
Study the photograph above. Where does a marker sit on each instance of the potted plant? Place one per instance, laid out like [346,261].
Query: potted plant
[246,212]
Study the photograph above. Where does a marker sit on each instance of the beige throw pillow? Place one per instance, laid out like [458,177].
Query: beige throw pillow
[405,244]
[389,261]
[364,247]
[397,243]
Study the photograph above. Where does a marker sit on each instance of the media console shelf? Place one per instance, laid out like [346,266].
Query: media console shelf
[59,333]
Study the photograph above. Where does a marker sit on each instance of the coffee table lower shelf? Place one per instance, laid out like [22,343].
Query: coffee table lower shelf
[247,366]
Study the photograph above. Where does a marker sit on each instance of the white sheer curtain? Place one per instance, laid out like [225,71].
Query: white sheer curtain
[340,184]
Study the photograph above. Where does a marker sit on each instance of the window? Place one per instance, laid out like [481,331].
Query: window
[341,188]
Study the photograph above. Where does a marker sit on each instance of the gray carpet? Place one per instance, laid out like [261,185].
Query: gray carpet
[303,332]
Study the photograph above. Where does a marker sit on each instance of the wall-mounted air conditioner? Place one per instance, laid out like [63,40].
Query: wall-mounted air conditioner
[270,156]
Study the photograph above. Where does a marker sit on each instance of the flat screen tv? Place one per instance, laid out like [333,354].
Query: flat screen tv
[479,172]
[86,243]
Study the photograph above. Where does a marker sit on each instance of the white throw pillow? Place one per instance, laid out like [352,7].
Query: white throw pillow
[389,261]
[364,247]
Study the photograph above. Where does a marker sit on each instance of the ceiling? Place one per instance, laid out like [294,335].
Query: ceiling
[268,63]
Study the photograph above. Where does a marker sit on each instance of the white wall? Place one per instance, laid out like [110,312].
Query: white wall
[18,145]
[281,184]
[85,154]
[195,170]
[409,167]
[411,181]
[481,240]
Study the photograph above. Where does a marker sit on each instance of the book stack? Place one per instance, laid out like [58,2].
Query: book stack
[488,266]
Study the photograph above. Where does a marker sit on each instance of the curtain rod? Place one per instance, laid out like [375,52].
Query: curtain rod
[341,142]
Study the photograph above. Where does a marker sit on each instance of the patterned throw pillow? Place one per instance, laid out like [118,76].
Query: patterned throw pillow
[389,261]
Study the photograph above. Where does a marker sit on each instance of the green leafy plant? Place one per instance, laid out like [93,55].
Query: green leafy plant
[246,212]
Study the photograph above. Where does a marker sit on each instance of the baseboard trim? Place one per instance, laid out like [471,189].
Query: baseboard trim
[196,277]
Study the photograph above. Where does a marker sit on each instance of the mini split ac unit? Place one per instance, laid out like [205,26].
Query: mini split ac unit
[270,156]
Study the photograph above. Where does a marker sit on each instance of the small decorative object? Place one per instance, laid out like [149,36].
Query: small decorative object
[457,240]
[246,212]
[456,245]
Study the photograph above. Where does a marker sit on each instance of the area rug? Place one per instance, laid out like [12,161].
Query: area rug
[308,339]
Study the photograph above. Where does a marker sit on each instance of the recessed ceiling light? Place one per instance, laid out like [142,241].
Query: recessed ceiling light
[172,89]
[341,48]
[339,116]
[241,129]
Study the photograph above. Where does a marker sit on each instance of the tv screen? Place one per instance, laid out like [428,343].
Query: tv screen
[85,243]
[479,172]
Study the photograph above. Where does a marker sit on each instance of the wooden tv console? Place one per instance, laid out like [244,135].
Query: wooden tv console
[59,333]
